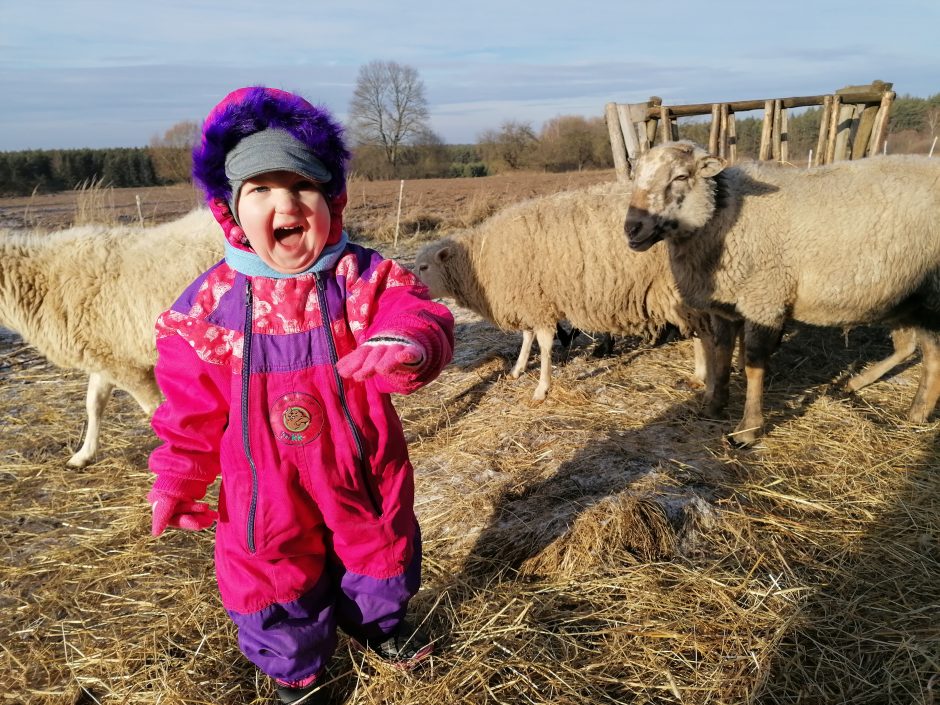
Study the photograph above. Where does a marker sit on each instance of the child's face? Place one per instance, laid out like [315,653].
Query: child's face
[285,218]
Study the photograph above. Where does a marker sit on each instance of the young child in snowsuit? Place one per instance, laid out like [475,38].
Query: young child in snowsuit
[277,365]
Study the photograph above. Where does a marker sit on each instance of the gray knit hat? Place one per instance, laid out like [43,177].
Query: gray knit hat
[270,150]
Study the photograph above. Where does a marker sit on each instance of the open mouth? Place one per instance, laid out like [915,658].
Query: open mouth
[281,234]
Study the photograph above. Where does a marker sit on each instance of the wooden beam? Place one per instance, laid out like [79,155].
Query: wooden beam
[617,146]
[777,131]
[744,105]
[822,139]
[732,138]
[881,122]
[784,135]
[844,131]
[665,133]
[766,132]
[862,140]
[715,129]
[629,133]
[832,130]
[723,132]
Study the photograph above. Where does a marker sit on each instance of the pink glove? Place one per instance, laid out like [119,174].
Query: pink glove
[181,513]
[376,357]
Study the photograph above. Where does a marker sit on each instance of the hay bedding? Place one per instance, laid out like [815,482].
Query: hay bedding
[605,546]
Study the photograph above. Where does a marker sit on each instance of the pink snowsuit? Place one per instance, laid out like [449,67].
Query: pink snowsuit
[316,523]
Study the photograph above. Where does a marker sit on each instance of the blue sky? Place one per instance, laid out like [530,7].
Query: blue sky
[111,73]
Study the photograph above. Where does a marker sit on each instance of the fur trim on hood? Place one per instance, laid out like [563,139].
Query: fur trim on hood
[248,110]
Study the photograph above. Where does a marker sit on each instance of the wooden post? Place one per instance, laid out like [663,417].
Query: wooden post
[834,110]
[652,123]
[821,141]
[715,129]
[629,133]
[617,146]
[880,135]
[784,135]
[665,124]
[401,190]
[766,131]
[732,138]
[638,113]
[723,132]
[862,140]
[776,135]
[844,131]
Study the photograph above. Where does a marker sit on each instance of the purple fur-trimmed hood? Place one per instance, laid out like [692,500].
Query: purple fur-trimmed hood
[248,110]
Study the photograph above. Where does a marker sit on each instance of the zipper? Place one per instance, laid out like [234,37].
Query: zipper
[246,442]
[357,439]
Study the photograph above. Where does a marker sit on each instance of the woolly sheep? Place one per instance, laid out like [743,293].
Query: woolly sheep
[88,297]
[558,257]
[852,243]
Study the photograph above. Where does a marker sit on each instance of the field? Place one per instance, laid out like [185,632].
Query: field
[605,546]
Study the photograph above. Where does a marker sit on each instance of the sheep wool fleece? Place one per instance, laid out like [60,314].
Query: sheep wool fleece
[316,522]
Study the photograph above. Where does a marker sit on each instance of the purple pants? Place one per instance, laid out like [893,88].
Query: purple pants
[293,641]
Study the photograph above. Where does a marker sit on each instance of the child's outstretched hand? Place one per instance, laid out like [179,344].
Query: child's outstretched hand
[181,513]
[381,357]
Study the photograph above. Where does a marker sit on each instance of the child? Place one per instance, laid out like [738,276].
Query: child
[277,366]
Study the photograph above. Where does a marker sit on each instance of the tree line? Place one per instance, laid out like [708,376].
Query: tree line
[389,127]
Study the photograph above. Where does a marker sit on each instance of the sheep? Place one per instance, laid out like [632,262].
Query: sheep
[88,298]
[852,243]
[556,257]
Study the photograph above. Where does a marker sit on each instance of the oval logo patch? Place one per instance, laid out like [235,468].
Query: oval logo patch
[296,418]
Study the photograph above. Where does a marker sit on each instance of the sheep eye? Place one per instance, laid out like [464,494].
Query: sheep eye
[680,177]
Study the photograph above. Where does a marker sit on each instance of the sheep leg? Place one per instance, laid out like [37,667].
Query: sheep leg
[759,343]
[527,337]
[928,391]
[718,344]
[145,392]
[905,344]
[96,397]
[545,336]
[701,360]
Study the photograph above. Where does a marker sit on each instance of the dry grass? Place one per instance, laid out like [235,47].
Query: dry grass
[606,546]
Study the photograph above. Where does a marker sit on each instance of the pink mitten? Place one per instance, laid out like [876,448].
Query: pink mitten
[379,357]
[181,513]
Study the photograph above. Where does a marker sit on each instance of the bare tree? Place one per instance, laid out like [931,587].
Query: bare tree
[512,145]
[388,107]
[172,153]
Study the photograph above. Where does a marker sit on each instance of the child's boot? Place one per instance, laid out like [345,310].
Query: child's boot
[405,647]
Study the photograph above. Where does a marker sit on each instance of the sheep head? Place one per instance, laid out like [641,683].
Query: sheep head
[431,268]
[673,193]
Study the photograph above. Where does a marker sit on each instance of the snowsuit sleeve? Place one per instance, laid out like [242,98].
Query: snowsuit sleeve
[191,420]
[389,301]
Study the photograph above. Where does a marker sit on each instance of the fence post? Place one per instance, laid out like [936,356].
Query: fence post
[617,145]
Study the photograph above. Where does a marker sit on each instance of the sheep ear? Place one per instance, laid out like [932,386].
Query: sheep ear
[443,254]
[709,165]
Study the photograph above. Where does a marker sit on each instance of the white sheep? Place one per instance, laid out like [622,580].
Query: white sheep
[852,243]
[88,297]
[556,257]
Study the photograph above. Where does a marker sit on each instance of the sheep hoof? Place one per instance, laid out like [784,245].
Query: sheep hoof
[744,435]
[918,416]
[539,395]
[712,409]
[78,461]
[689,384]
